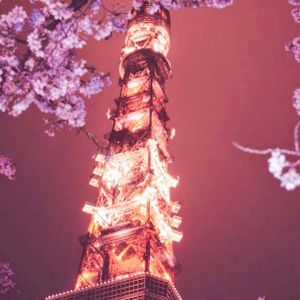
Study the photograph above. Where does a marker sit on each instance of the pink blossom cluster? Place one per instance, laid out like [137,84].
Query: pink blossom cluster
[296,100]
[7,167]
[176,4]
[6,277]
[283,170]
[294,45]
[38,65]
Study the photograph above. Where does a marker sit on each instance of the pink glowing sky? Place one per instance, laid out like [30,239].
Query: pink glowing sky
[232,80]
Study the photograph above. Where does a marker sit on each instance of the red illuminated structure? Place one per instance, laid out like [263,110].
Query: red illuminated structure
[128,251]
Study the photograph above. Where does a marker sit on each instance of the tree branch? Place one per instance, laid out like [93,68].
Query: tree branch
[264,151]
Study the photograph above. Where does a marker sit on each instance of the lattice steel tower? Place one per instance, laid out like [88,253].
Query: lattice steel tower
[128,251]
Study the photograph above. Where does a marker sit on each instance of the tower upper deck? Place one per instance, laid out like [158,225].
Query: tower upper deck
[147,39]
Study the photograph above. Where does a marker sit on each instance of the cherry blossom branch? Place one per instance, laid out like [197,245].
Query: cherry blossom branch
[264,151]
[48,73]
[296,136]
[279,166]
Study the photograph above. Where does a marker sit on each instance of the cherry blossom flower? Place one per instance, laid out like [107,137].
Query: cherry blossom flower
[36,18]
[72,111]
[7,167]
[296,14]
[15,19]
[276,163]
[95,85]
[296,100]
[294,46]
[35,43]
[6,277]
[290,180]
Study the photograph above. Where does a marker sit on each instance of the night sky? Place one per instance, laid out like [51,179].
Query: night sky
[232,81]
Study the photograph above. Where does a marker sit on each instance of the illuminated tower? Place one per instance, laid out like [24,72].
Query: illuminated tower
[128,250]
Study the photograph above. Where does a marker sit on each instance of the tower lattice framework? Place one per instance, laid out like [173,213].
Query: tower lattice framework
[134,222]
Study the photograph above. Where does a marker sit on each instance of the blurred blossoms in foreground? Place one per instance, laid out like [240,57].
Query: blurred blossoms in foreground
[7,167]
[6,277]
[284,164]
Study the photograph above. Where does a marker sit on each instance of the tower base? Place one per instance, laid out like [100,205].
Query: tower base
[133,287]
